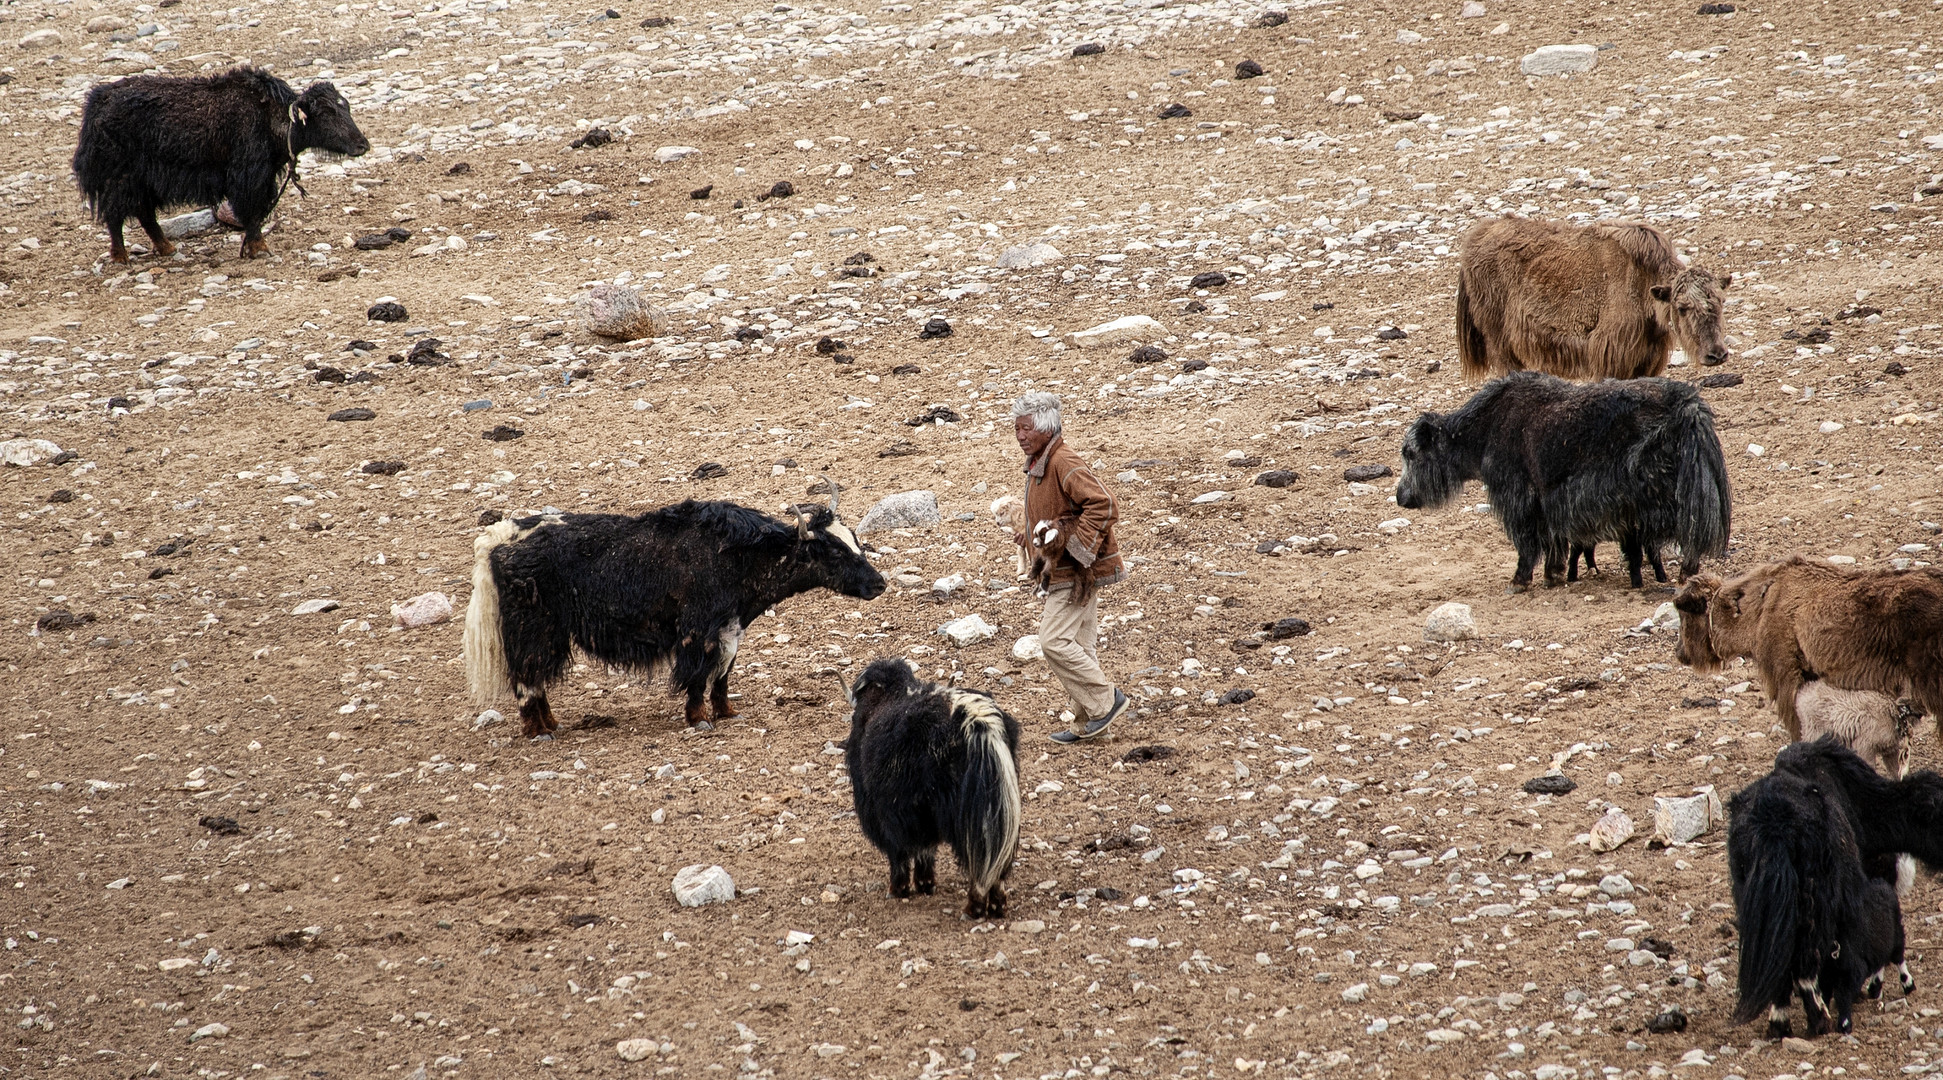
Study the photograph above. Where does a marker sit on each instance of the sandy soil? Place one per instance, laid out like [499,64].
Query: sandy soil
[247,842]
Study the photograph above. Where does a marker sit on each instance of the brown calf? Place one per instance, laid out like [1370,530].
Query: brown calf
[1595,302]
[1803,619]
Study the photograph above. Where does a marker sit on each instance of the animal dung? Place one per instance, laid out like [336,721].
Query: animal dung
[933,329]
[1550,784]
[709,470]
[386,311]
[1276,478]
[1147,354]
[702,192]
[1363,474]
[1715,9]
[60,622]
[1673,1019]
[827,346]
[1292,626]
[594,139]
[221,826]
[1193,365]
[1391,333]
[350,415]
[936,414]
[1090,48]
[1175,111]
[1269,20]
[502,433]
[382,468]
[1248,69]
[781,189]
[1237,696]
[698,885]
[1730,378]
[1211,279]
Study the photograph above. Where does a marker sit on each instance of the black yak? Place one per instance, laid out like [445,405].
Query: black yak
[154,141]
[1815,904]
[674,587]
[933,764]
[1566,464]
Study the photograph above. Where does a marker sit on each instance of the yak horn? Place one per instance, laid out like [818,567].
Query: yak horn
[802,523]
[832,485]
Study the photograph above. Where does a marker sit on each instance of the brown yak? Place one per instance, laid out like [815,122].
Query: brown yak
[1604,301]
[1803,619]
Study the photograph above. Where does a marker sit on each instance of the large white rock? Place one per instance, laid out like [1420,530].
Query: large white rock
[621,312]
[697,885]
[1677,821]
[194,223]
[1028,648]
[637,1049]
[904,510]
[41,39]
[1610,831]
[1450,622]
[425,609]
[968,630]
[1118,332]
[1027,256]
[668,154]
[25,452]
[1560,60]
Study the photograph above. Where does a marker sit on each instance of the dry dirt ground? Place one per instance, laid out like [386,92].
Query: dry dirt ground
[242,842]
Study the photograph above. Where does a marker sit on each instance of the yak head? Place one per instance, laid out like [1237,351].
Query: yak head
[1696,648]
[1719,620]
[1690,309]
[321,120]
[885,680]
[1432,474]
[832,552]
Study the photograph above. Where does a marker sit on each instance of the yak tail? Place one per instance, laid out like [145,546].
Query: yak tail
[988,815]
[1705,504]
[1767,906]
[487,674]
[1470,340]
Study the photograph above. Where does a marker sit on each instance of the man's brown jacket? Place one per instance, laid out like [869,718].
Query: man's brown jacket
[1059,487]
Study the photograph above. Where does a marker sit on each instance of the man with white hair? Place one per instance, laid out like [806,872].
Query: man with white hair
[1069,537]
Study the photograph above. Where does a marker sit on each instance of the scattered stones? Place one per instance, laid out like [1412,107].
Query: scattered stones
[1090,48]
[904,510]
[315,607]
[1293,626]
[1248,69]
[1673,1019]
[1450,622]
[1175,111]
[352,415]
[1363,474]
[1550,784]
[594,139]
[26,452]
[1207,497]
[1560,60]
[709,470]
[1611,830]
[968,630]
[425,609]
[1026,256]
[934,328]
[620,312]
[1277,478]
[1119,331]
[386,311]
[1211,279]
[698,885]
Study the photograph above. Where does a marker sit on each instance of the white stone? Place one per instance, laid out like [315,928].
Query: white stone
[25,452]
[968,630]
[41,39]
[1616,885]
[1118,332]
[636,1049]
[210,1031]
[904,510]
[1612,830]
[1679,821]
[1665,615]
[314,607]
[1211,497]
[1560,60]
[1356,993]
[1027,256]
[621,312]
[1028,648]
[425,609]
[1408,37]
[669,154]
[194,223]
[1830,427]
[1450,622]
[945,586]
[1756,450]
[1472,10]
[698,885]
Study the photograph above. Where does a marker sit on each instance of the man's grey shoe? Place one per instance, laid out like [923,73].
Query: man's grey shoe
[1094,728]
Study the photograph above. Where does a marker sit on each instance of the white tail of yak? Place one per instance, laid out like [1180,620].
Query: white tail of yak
[485,646]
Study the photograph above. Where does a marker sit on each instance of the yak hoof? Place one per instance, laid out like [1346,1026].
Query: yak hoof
[1780,1029]
[254,248]
[118,256]
[164,248]
[699,727]
[1515,588]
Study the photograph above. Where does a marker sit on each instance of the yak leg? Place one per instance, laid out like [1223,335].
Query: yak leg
[989,906]
[153,228]
[1580,551]
[718,695]
[1814,1007]
[1555,567]
[117,249]
[1635,558]
[1659,568]
[718,699]
[1521,580]
[900,877]
[924,872]
[697,716]
[1778,1025]
[535,715]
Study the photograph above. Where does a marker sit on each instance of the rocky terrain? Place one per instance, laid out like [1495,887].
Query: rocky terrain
[255,828]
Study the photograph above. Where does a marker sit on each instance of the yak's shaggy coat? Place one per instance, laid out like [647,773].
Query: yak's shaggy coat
[934,765]
[1566,464]
[154,141]
[674,587]
[1605,301]
[1801,619]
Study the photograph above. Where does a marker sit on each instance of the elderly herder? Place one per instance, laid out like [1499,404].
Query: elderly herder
[1062,494]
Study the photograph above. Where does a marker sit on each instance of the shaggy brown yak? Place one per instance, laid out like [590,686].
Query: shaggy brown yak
[1802,619]
[1598,302]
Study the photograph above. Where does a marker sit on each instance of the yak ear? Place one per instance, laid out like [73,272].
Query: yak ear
[1662,293]
[1696,593]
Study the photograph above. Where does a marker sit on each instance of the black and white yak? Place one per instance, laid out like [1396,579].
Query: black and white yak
[150,142]
[1816,907]
[1568,465]
[933,764]
[675,587]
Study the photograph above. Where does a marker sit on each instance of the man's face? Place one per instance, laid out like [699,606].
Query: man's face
[1031,439]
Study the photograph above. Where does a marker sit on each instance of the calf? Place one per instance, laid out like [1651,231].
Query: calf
[154,141]
[933,764]
[1566,465]
[1801,619]
[1605,301]
[674,588]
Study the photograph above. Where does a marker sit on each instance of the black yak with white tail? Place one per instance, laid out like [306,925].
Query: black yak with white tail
[154,141]
[934,765]
[674,587]
[1813,888]
[1567,464]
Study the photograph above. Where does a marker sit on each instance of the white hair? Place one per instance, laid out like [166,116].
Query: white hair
[1042,407]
